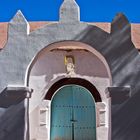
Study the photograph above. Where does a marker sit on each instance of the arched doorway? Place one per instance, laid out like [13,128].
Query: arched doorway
[48,72]
[74,81]
[73,115]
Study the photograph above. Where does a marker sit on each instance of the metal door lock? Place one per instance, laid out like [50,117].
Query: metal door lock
[73,121]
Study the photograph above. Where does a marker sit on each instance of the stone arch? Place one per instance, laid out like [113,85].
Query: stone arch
[75,81]
[73,43]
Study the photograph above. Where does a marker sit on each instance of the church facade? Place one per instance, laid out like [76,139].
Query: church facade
[69,80]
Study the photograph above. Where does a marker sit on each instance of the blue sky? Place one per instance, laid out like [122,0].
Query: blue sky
[91,10]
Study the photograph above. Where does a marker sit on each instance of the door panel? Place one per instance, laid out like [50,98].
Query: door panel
[73,114]
[61,108]
[84,113]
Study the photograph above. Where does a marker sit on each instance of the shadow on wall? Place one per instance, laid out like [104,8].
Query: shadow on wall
[126,119]
[124,62]
[12,125]
[13,114]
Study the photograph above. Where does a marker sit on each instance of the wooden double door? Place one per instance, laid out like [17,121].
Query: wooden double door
[73,115]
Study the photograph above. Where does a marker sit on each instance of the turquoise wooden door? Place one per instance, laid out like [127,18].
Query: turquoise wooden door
[73,114]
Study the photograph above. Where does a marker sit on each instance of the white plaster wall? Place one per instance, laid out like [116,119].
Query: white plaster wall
[85,63]
[50,67]
[34,123]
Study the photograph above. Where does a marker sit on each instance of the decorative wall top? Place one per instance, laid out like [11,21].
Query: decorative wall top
[69,11]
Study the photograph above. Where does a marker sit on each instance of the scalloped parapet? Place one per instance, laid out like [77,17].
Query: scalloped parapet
[120,23]
[69,11]
[18,24]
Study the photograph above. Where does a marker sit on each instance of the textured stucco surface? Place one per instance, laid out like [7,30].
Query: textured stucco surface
[135,30]
[116,47]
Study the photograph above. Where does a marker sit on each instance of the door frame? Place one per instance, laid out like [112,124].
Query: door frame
[75,81]
[54,96]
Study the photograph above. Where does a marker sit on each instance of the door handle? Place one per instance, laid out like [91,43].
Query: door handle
[73,121]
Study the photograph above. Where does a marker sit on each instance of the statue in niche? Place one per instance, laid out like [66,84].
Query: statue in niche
[70,65]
